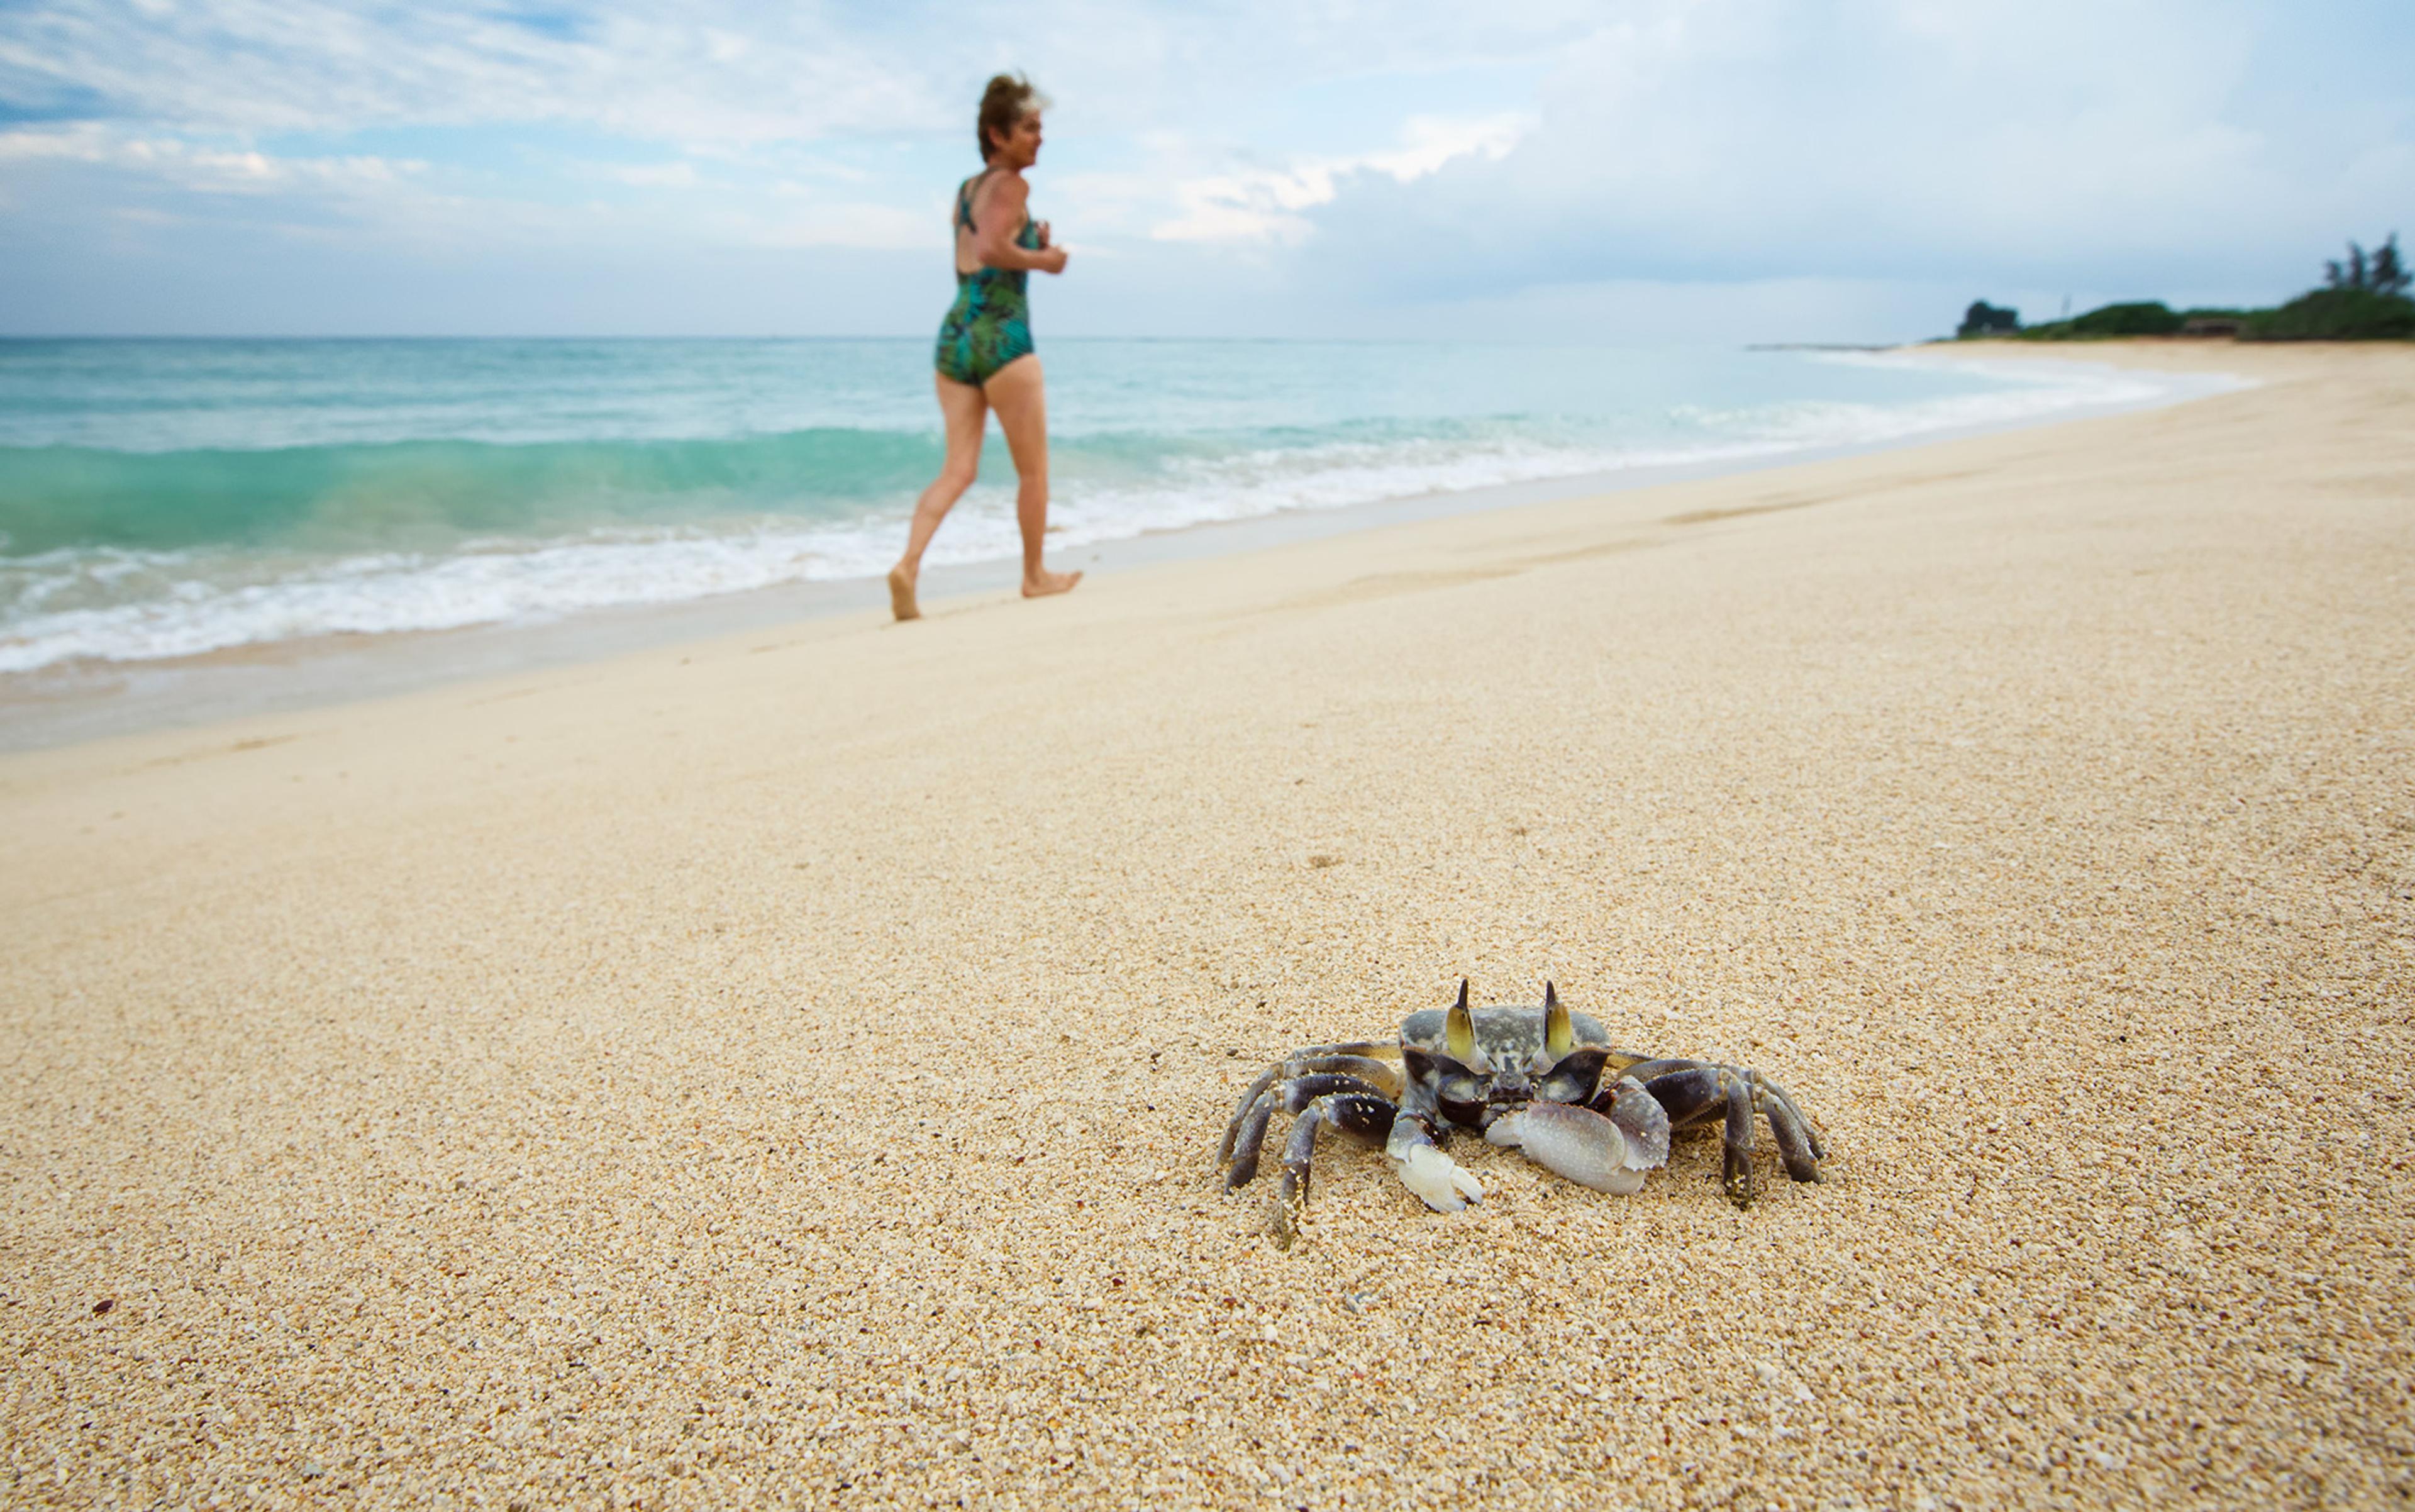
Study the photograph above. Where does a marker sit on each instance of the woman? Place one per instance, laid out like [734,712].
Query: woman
[986,359]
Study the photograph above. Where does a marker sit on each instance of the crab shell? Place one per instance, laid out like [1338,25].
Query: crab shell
[1478,1064]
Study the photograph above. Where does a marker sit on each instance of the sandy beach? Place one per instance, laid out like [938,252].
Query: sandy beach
[787,1068]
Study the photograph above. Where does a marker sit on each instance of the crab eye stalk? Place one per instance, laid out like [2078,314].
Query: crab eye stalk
[1458,1030]
[1559,1035]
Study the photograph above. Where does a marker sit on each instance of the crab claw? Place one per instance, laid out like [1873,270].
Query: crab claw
[1644,1123]
[1437,1180]
[1575,1142]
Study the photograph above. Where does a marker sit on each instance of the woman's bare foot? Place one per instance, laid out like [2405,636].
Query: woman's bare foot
[1044,583]
[901,595]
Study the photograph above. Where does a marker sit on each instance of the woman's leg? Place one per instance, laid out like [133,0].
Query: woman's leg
[965,412]
[1020,397]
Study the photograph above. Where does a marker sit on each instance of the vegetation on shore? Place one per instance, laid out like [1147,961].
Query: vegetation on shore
[2364,298]
[2344,314]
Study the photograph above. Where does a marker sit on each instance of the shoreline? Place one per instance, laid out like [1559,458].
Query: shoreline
[788,1067]
[90,701]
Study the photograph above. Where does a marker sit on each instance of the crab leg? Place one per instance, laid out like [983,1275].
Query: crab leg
[1687,1107]
[1736,1142]
[1784,1098]
[1797,1146]
[1299,1091]
[1356,1056]
[1383,1076]
[1689,1090]
[1697,1093]
[1292,1094]
[1649,1072]
[1363,1116]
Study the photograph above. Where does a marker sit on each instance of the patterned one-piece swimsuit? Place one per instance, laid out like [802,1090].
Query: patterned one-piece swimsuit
[990,323]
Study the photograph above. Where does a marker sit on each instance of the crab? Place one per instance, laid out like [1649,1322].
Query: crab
[1542,1079]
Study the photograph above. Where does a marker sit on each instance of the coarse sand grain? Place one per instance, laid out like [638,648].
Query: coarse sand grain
[788,1069]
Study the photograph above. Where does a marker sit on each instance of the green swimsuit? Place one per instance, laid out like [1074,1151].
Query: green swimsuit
[990,323]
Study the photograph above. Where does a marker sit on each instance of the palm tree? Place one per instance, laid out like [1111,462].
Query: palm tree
[2386,273]
[2382,273]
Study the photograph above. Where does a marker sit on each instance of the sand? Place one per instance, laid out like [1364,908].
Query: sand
[787,1070]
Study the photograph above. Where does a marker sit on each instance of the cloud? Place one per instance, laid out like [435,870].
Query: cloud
[1265,203]
[719,71]
[861,226]
[707,73]
[80,143]
[391,205]
[657,176]
[181,165]
[1327,163]
[1761,139]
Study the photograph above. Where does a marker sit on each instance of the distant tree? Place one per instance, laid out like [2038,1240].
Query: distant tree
[1983,318]
[2340,314]
[2387,276]
[2382,271]
[2145,316]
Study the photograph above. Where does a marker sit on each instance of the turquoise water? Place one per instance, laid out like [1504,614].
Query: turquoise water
[161,499]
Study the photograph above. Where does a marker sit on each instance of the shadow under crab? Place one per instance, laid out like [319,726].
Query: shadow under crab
[1543,1079]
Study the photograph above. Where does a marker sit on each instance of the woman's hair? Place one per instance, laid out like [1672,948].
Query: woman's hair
[1009,98]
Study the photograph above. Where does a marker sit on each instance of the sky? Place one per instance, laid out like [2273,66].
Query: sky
[1622,170]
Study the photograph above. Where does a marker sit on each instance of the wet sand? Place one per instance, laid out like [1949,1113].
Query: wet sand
[785,1069]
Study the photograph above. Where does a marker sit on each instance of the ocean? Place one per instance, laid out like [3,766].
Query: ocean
[167,498]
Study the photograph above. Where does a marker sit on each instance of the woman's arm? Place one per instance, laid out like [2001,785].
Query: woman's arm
[997,218]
